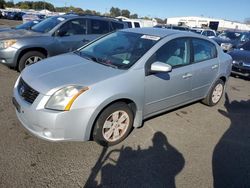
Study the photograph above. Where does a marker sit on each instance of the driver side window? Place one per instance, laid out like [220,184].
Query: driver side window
[175,53]
[73,27]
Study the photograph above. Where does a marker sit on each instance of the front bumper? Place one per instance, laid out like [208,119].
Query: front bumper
[241,70]
[53,125]
[8,56]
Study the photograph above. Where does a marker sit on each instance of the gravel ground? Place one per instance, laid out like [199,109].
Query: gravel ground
[193,146]
[9,23]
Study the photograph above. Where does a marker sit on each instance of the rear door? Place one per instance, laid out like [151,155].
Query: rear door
[205,66]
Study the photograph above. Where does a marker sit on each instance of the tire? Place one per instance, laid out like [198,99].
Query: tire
[214,98]
[29,55]
[105,134]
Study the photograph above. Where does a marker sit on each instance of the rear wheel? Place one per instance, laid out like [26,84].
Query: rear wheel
[113,125]
[30,58]
[215,94]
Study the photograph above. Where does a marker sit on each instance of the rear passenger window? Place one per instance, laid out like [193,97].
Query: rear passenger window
[137,24]
[203,50]
[74,27]
[116,25]
[129,24]
[99,27]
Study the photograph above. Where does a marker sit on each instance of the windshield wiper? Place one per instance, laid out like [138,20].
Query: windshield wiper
[95,59]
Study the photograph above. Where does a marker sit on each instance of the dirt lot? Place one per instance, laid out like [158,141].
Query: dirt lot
[9,23]
[193,146]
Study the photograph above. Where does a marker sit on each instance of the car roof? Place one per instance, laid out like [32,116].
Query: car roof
[159,32]
[71,16]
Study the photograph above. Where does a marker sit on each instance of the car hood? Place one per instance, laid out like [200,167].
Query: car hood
[220,40]
[64,70]
[16,34]
[240,55]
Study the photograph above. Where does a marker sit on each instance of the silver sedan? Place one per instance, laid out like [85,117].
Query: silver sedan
[111,85]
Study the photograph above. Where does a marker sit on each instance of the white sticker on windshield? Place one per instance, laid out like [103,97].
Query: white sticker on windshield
[150,37]
[61,19]
[126,62]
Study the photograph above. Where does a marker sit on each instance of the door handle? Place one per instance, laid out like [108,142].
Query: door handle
[188,75]
[215,66]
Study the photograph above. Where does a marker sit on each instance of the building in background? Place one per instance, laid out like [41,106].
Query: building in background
[203,22]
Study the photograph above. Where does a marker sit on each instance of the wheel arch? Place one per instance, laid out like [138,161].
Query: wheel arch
[132,105]
[24,51]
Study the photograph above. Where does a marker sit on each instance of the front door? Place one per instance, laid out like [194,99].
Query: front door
[72,35]
[166,90]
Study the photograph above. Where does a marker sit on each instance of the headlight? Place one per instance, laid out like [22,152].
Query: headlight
[64,98]
[7,43]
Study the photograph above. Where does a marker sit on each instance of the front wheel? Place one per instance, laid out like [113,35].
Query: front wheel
[215,94]
[113,125]
[30,58]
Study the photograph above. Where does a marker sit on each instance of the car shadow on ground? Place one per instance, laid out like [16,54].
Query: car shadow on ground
[231,157]
[156,166]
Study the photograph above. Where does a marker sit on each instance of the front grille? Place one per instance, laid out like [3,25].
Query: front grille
[27,92]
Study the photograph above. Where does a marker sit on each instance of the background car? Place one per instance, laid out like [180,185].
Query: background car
[241,60]
[15,16]
[27,26]
[206,32]
[112,84]
[53,36]
[228,39]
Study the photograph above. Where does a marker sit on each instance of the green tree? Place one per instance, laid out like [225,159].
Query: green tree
[9,4]
[114,12]
[134,16]
[2,3]
[247,21]
[125,13]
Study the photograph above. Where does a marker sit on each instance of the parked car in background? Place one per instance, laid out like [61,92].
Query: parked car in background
[112,84]
[241,60]
[206,32]
[31,17]
[16,16]
[245,37]
[228,39]
[180,28]
[27,26]
[53,36]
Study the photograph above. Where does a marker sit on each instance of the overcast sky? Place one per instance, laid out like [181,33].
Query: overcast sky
[225,9]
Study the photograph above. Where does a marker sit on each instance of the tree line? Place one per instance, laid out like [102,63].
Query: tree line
[39,5]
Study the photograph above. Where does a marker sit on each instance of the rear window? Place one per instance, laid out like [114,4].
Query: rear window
[116,25]
[137,24]
[99,26]
[129,24]
[203,50]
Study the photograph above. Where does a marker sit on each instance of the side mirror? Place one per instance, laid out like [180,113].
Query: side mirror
[60,33]
[160,67]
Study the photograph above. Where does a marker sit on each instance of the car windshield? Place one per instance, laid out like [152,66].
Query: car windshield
[119,50]
[230,35]
[245,37]
[47,25]
[27,25]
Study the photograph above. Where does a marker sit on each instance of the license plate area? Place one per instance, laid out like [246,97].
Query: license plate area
[17,106]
